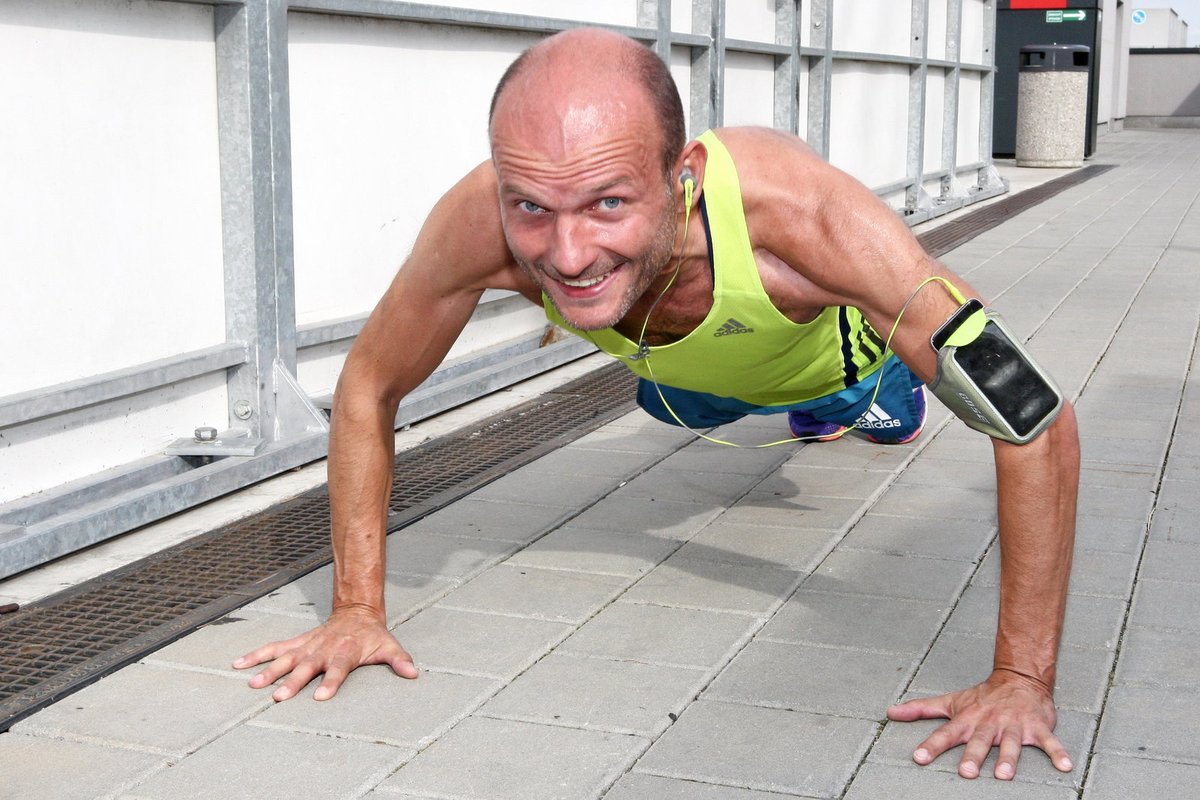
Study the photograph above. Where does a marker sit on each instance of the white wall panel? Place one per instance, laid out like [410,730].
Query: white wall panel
[972,31]
[869,106]
[969,96]
[872,26]
[386,117]
[935,41]
[681,16]
[753,20]
[607,12]
[749,89]
[110,228]
[935,109]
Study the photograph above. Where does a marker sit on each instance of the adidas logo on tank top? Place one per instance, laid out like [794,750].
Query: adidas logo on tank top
[732,326]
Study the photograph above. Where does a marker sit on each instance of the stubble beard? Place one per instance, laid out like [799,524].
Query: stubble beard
[648,266]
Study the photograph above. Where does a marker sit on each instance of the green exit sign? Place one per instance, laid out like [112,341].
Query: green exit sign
[1066,16]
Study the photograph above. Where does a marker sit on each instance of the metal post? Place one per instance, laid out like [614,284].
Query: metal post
[918,84]
[986,177]
[787,68]
[708,66]
[256,209]
[656,14]
[820,76]
[950,111]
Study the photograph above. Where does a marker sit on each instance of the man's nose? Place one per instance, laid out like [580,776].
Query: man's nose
[574,250]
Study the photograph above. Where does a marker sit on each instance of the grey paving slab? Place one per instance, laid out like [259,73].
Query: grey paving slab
[768,749]
[1108,533]
[413,552]
[852,452]
[600,551]
[311,597]
[216,645]
[668,518]
[757,545]
[862,622]
[943,472]
[960,539]
[1151,721]
[688,486]
[887,782]
[575,459]
[1174,525]
[864,572]
[40,767]
[483,644]
[1171,561]
[938,502]
[598,694]
[252,763]
[1164,658]
[1103,572]
[490,519]
[824,513]
[801,480]
[1165,603]
[657,439]
[640,787]
[662,635]
[377,706]
[1117,502]
[714,586]
[572,491]
[823,680]
[161,710]
[702,456]
[553,595]
[1115,777]
[502,759]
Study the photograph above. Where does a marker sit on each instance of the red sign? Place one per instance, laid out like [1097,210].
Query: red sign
[1037,4]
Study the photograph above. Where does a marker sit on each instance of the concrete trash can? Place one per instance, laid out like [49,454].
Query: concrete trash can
[1052,88]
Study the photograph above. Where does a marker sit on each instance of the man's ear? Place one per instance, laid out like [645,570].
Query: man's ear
[691,170]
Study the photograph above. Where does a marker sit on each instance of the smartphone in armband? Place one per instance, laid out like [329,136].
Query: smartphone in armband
[988,379]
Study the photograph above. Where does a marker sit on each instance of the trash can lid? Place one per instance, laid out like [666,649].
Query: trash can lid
[1055,58]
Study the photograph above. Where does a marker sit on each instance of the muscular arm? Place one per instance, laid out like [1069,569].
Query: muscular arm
[850,249]
[459,253]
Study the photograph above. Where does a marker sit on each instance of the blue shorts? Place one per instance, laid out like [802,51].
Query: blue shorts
[895,413]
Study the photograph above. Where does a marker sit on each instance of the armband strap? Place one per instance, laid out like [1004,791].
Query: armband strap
[989,380]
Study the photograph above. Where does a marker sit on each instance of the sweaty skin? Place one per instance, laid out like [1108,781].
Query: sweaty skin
[576,203]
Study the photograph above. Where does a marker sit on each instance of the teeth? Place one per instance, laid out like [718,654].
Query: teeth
[584,283]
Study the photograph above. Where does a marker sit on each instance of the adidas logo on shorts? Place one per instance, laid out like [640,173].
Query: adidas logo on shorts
[877,419]
[732,326]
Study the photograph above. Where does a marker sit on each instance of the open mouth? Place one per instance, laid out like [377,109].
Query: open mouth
[583,285]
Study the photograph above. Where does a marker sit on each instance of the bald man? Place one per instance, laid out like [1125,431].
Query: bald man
[662,251]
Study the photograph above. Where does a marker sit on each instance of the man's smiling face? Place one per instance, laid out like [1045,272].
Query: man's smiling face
[586,207]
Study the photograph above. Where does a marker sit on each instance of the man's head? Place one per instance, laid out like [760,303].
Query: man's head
[587,133]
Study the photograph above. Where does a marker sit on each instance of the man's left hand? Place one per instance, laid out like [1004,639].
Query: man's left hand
[1007,710]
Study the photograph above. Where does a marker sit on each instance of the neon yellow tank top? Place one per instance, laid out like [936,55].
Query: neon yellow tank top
[745,348]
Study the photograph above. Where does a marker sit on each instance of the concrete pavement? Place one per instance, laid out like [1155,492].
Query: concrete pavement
[641,614]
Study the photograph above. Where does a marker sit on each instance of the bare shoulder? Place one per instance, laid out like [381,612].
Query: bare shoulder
[819,220]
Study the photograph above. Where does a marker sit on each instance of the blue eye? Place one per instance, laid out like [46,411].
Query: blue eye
[610,203]
[530,207]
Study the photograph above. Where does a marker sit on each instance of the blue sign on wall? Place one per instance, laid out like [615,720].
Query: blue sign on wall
[1139,17]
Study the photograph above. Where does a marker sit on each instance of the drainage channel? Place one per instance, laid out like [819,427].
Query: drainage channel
[62,643]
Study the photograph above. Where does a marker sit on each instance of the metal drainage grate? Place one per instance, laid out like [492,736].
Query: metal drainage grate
[60,644]
[945,238]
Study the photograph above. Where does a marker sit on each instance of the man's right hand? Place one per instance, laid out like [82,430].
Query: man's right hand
[349,639]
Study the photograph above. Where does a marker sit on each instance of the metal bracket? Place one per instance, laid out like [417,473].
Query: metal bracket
[295,414]
[233,442]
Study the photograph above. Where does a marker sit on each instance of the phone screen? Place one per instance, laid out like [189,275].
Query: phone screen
[1006,379]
